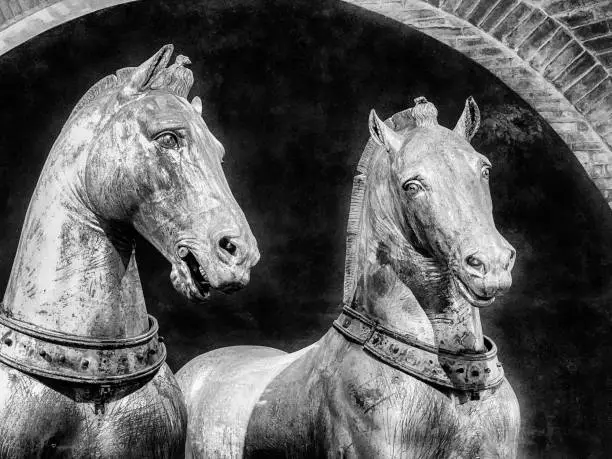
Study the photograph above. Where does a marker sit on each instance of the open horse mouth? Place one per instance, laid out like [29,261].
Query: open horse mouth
[197,276]
[472,297]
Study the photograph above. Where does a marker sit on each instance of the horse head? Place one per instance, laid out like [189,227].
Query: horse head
[153,164]
[440,211]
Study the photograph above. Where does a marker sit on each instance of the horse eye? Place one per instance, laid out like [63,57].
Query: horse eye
[412,186]
[486,172]
[167,140]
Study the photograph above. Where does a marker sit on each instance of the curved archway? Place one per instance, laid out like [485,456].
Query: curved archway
[556,54]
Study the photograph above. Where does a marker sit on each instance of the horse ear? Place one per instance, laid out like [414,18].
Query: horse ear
[383,134]
[469,121]
[144,74]
[196,103]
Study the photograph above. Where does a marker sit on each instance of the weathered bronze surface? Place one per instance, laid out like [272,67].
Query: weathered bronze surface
[82,370]
[423,255]
[79,359]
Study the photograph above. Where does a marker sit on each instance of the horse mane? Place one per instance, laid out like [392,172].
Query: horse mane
[105,86]
[176,79]
[402,121]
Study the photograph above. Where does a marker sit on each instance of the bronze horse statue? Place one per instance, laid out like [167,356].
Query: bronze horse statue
[82,369]
[405,371]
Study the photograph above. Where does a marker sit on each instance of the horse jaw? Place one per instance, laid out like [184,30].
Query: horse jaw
[186,283]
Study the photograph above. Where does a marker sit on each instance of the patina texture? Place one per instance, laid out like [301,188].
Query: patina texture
[134,156]
[423,254]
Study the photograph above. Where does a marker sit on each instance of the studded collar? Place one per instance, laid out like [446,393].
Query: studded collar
[459,371]
[79,359]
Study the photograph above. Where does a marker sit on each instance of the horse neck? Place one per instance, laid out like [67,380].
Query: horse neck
[421,304]
[73,271]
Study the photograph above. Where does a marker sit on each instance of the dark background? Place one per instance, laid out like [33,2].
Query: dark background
[287,87]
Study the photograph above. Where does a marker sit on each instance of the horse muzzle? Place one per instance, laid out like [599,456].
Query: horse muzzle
[481,291]
[226,268]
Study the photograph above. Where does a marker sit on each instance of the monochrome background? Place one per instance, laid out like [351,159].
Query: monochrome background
[287,87]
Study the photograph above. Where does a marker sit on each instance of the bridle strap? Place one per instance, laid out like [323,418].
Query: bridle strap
[80,359]
[459,371]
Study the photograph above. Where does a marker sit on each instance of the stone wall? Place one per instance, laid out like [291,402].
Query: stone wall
[556,54]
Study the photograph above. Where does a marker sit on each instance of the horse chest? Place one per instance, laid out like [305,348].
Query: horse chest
[460,428]
[39,421]
[400,417]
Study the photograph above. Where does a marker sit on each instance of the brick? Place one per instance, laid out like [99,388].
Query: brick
[5,10]
[606,59]
[571,137]
[563,60]
[603,183]
[515,73]
[522,85]
[586,84]
[577,18]
[577,68]
[599,44]
[560,6]
[594,30]
[27,4]
[485,52]
[469,42]
[537,38]
[557,115]
[540,93]
[584,157]
[524,29]
[599,171]
[552,105]
[601,122]
[465,8]
[444,32]
[15,8]
[421,23]
[591,99]
[600,157]
[497,13]
[593,148]
[599,113]
[499,62]
[559,40]
[511,21]
[480,12]
[449,5]
[422,14]
[564,127]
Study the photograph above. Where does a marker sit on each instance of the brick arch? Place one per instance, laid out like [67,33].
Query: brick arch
[556,54]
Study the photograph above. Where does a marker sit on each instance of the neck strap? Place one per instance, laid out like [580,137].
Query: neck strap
[80,359]
[459,371]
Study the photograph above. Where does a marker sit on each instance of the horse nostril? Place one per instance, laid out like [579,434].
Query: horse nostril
[511,259]
[227,245]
